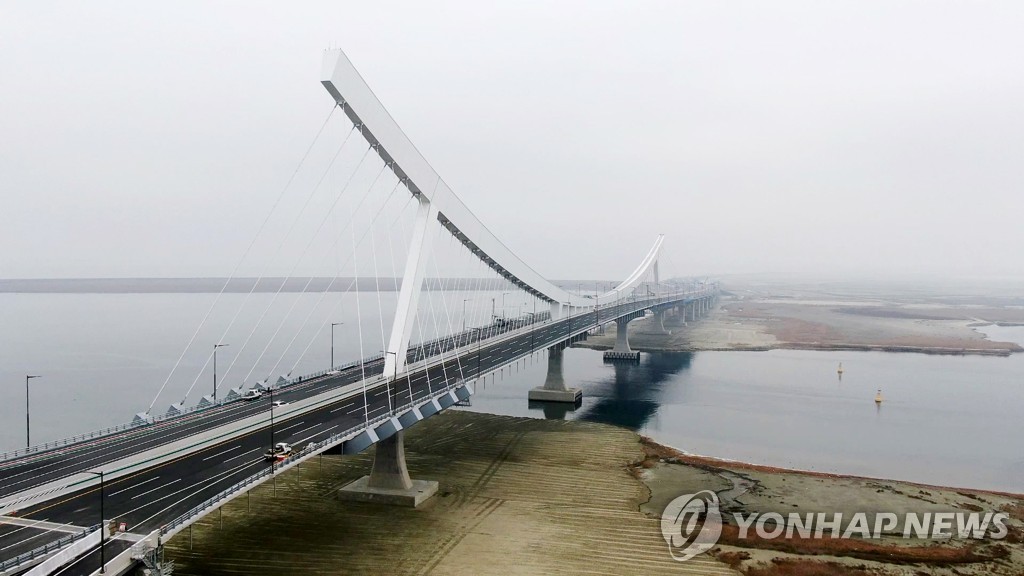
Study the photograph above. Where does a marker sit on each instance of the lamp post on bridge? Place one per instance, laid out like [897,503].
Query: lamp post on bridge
[270,388]
[503,294]
[533,320]
[28,437]
[394,384]
[215,346]
[333,324]
[103,525]
[479,339]
[464,300]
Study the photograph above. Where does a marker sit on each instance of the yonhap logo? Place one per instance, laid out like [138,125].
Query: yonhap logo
[691,524]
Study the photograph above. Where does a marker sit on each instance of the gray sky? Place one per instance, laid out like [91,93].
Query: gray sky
[832,138]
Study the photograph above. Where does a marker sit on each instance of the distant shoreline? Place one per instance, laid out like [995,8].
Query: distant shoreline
[818,348]
[764,322]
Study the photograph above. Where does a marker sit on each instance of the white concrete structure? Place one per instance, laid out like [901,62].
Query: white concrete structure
[438,203]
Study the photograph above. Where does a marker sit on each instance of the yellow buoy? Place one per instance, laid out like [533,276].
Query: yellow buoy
[878,397]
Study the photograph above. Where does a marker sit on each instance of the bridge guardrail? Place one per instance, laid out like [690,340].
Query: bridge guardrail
[66,441]
[309,450]
[46,549]
[440,345]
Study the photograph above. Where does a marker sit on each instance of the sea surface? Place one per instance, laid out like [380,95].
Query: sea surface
[948,420]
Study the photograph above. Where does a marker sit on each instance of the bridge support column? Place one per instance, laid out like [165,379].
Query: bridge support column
[658,323]
[554,389]
[389,481]
[622,351]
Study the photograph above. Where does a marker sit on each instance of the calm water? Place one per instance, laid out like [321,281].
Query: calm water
[945,420]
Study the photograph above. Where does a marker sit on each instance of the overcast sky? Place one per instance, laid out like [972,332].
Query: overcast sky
[849,138]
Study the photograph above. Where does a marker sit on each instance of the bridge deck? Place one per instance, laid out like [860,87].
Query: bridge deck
[154,495]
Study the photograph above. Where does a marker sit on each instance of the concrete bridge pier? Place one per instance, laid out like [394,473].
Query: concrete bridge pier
[622,351]
[389,481]
[657,325]
[554,389]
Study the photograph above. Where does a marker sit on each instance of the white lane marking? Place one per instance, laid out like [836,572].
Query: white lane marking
[157,488]
[44,533]
[240,455]
[133,487]
[221,453]
[317,434]
[24,528]
[200,487]
[309,428]
[292,426]
[343,406]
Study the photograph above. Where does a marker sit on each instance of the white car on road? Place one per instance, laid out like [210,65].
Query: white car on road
[280,451]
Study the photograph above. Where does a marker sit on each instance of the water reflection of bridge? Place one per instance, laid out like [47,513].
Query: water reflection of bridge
[629,396]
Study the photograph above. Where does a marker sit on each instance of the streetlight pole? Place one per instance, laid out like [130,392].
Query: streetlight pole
[28,437]
[503,303]
[215,346]
[333,324]
[271,389]
[479,339]
[103,525]
[394,382]
[533,330]
[464,300]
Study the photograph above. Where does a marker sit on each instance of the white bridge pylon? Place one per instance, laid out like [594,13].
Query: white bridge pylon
[438,203]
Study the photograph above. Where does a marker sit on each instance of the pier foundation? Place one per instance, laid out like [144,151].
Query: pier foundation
[389,481]
[554,389]
[622,351]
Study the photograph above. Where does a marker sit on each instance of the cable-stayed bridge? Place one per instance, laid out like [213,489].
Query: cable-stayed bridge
[111,498]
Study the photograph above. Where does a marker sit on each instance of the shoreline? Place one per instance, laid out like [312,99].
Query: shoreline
[762,323]
[935,351]
[688,458]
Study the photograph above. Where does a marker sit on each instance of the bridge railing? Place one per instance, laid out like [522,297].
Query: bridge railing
[66,441]
[10,455]
[309,450]
[438,346]
[46,549]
